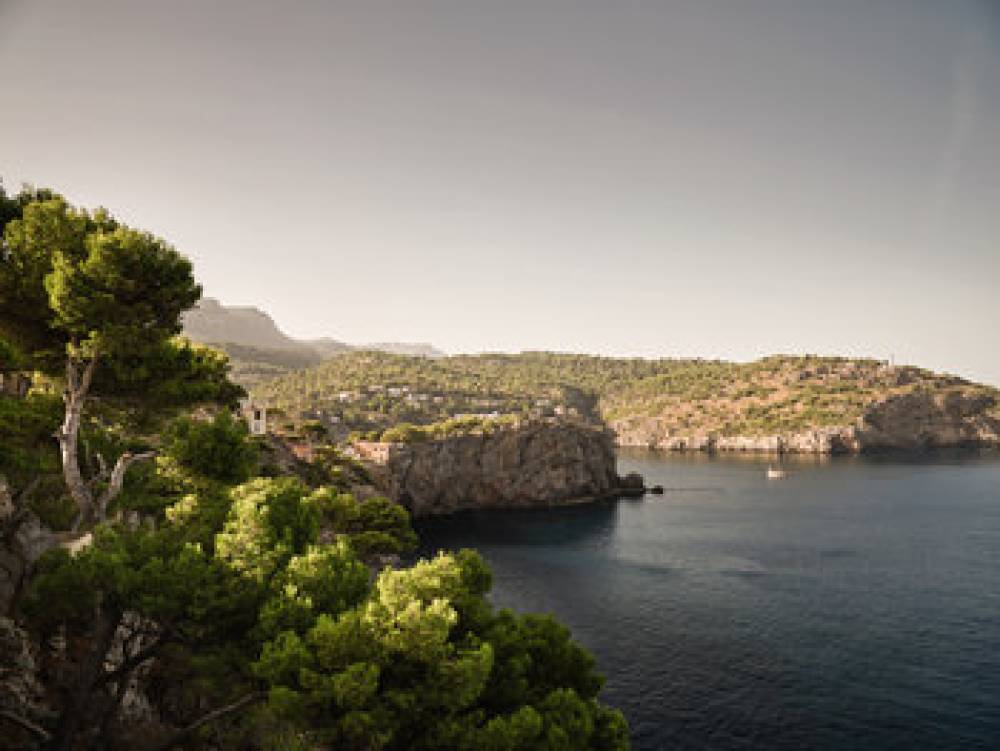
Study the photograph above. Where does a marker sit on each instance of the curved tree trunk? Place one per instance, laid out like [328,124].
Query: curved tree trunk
[116,479]
[79,376]
[78,379]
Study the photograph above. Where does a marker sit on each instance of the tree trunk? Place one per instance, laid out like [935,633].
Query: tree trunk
[79,375]
[116,480]
[78,379]
[185,733]
[75,719]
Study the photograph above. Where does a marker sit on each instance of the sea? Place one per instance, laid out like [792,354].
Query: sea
[854,604]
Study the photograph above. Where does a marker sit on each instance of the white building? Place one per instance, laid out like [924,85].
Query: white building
[255,415]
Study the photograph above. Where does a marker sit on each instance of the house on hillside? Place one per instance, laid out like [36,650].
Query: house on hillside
[255,415]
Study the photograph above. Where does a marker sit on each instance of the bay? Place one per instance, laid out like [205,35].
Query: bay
[854,604]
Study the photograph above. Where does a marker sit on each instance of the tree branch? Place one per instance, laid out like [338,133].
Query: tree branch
[26,724]
[88,376]
[184,733]
[116,479]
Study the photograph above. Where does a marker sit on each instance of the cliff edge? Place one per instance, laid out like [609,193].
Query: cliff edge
[534,463]
[914,421]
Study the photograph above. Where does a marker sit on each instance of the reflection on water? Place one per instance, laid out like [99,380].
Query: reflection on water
[754,458]
[854,604]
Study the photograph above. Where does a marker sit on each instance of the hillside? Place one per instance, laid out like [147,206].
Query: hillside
[808,402]
[259,349]
[660,403]
[373,391]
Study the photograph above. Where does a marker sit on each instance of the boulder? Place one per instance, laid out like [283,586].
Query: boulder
[632,485]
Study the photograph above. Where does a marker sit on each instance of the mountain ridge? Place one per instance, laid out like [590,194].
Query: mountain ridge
[259,349]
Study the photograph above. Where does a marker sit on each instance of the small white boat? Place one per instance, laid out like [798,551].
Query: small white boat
[776,474]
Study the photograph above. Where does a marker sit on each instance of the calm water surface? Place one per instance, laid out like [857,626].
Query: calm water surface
[853,605]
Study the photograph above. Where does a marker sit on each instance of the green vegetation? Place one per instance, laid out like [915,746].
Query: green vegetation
[373,391]
[251,365]
[778,394]
[215,449]
[96,303]
[408,433]
[251,612]
[406,399]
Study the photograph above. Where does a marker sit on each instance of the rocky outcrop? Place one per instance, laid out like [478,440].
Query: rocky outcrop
[23,540]
[528,464]
[914,421]
[22,694]
[651,433]
[922,420]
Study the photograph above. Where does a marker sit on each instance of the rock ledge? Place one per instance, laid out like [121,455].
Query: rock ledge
[536,463]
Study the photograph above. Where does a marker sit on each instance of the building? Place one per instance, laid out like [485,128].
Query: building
[255,415]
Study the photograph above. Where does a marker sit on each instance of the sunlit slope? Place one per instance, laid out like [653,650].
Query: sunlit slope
[778,394]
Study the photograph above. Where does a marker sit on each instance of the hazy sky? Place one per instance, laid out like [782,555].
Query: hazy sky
[696,178]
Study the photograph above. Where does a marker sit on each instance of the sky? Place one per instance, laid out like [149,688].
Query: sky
[696,178]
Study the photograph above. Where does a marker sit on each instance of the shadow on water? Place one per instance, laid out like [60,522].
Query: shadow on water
[545,527]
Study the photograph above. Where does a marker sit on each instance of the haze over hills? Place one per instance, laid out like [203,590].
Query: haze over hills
[259,349]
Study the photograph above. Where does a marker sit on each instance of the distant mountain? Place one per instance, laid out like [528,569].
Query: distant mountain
[327,347]
[212,322]
[259,349]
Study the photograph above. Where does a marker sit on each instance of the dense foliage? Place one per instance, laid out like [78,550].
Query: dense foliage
[96,305]
[241,611]
[412,398]
[292,630]
[409,433]
[217,449]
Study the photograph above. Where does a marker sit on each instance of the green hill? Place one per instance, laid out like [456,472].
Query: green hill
[373,391]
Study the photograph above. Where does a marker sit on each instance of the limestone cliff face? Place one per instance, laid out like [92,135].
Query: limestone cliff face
[531,464]
[920,420]
[908,422]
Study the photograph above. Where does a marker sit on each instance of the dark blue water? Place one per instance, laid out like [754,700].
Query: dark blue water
[853,605]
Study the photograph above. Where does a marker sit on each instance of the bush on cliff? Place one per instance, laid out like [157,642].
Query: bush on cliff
[288,639]
[216,449]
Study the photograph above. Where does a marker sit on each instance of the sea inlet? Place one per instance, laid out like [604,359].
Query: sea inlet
[853,604]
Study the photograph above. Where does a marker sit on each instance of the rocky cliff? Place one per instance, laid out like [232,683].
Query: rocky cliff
[921,420]
[914,421]
[528,464]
